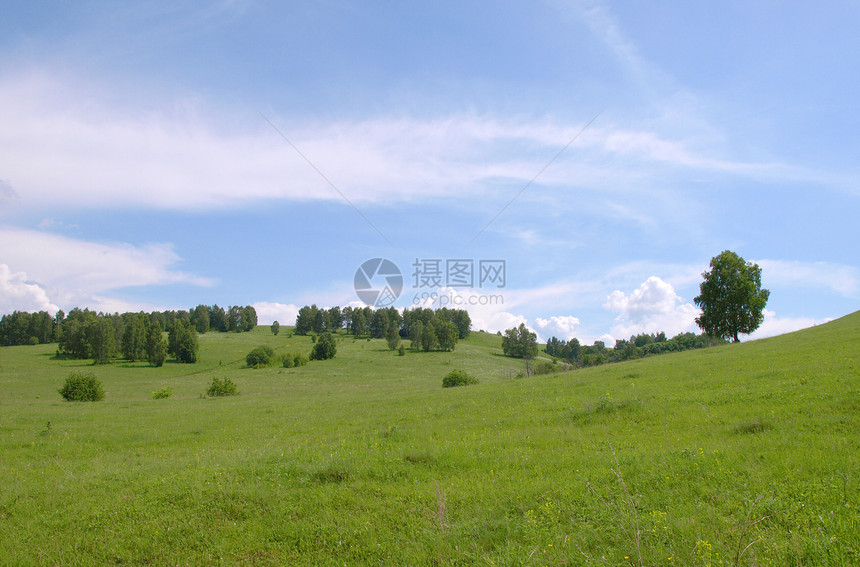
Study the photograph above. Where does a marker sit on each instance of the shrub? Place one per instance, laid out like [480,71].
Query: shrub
[33,341]
[401,351]
[458,378]
[324,348]
[82,387]
[163,393]
[222,387]
[295,359]
[260,357]
[545,367]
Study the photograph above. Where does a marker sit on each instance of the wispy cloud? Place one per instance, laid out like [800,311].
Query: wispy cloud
[838,278]
[76,272]
[79,151]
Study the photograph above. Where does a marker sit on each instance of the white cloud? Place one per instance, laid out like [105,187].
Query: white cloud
[81,273]
[651,308]
[283,313]
[561,326]
[16,294]
[838,278]
[772,325]
[75,149]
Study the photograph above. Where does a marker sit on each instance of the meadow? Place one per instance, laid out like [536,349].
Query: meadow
[742,454]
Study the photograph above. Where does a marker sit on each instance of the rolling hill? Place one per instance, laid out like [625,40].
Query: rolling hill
[740,454]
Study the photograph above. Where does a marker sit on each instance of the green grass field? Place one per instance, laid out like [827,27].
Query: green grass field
[742,454]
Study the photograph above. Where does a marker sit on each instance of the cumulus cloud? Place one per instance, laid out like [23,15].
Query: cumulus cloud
[651,308]
[17,294]
[268,313]
[81,273]
[561,326]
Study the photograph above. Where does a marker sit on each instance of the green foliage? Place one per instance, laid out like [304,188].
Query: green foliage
[133,346]
[545,367]
[182,342]
[276,327]
[401,350]
[293,360]
[156,345]
[731,297]
[82,387]
[33,341]
[392,336]
[19,328]
[222,387]
[260,357]
[324,348]
[163,393]
[458,378]
[519,342]
[201,318]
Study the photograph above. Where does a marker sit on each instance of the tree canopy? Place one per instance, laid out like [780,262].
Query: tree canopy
[519,342]
[731,297]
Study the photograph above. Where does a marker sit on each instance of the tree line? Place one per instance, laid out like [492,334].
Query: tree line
[133,336]
[637,346]
[426,328]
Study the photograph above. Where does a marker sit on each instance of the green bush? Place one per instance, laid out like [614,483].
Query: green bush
[260,357]
[222,387]
[82,387]
[163,393]
[295,359]
[401,351]
[545,367]
[324,348]
[458,378]
[33,341]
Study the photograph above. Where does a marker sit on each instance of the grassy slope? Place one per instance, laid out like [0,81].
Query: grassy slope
[365,459]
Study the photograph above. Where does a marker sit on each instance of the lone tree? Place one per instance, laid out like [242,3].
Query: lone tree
[731,297]
[275,328]
[519,342]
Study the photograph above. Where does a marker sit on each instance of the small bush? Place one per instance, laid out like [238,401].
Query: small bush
[324,348]
[545,367]
[33,341]
[458,378]
[260,357]
[295,359]
[163,393]
[82,387]
[222,387]
[401,351]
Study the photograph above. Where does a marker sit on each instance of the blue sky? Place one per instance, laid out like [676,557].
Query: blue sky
[140,169]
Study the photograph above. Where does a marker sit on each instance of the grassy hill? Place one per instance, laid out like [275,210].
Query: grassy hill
[741,454]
